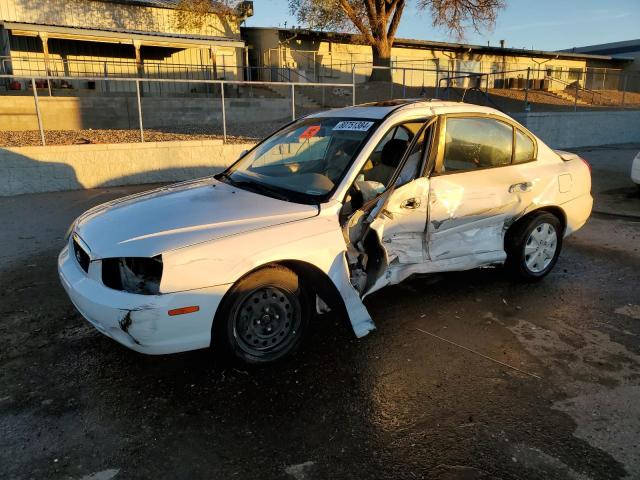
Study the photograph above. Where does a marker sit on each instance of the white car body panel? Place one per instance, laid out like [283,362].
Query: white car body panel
[635,170]
[211,234]
[153,222]
[151,330]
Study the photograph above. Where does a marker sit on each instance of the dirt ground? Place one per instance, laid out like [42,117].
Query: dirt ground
[468,375]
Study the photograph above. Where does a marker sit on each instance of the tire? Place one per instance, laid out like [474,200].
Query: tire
[533,246]
[264,317]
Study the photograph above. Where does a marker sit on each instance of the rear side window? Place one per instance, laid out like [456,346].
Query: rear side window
[525,148]
[472,143]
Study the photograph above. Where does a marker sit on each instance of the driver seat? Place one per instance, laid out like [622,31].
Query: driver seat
[390,158]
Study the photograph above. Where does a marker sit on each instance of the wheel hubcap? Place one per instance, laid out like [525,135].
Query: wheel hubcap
[266,320]
[540,247]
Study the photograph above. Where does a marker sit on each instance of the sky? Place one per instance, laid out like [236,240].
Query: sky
[533,24]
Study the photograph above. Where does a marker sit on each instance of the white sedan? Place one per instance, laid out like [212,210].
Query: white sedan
[322,213]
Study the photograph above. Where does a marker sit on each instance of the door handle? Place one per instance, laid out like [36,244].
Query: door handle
[521,187]
[410,203]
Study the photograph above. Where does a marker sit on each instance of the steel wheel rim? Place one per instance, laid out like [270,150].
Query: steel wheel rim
[267,320]
[540,247]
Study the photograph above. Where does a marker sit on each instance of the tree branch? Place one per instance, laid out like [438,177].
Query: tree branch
[398,6]
[357,21]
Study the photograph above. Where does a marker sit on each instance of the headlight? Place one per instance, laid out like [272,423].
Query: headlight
[133,274]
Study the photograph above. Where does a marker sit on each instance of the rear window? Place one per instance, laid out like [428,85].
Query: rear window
[525,148]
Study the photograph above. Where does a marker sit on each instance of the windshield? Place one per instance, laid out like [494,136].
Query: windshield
[305,161]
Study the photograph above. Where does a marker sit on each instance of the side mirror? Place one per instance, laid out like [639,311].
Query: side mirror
[242,154]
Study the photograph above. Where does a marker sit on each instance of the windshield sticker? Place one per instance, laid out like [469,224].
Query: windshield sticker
[310,132]
[353,126]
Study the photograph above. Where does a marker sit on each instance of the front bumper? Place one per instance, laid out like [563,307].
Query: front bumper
[140,322]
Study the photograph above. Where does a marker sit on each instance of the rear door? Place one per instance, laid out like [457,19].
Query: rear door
[477,187]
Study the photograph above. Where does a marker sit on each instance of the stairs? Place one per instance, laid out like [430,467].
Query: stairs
[569,97]
[302,100]
[306,101]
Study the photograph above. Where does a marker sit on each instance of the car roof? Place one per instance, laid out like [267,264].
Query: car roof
[379,110]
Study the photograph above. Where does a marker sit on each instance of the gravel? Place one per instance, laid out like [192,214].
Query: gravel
[92,136]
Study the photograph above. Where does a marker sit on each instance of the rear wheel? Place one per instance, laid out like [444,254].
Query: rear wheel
[533,246]
[264,317]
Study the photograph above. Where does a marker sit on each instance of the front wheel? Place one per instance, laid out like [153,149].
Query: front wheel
[264,316]
[534,245]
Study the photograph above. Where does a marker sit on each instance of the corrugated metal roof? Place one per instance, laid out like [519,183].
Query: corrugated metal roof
[114,32]
[151,3]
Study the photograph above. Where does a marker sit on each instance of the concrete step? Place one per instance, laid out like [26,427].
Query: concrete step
[306,101]
[301,98]
[570,98]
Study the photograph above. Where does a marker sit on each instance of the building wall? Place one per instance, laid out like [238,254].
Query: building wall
[333,61]
[90,58]
[81,58]
[106,15]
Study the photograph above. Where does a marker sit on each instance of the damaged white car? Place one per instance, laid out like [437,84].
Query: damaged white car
[319,215]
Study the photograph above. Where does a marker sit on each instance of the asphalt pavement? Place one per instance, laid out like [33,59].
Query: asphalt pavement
[468,375]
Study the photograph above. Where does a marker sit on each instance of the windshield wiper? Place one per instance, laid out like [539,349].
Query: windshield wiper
[256,187]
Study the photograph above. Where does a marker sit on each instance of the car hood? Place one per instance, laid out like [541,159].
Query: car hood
[176,216]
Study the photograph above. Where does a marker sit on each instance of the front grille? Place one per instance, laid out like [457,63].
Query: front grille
[81,256]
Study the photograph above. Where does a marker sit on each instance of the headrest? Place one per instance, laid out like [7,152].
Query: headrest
[349,146]
[392,152]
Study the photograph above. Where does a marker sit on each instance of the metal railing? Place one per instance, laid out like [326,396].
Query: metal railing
[516,86]
[138,93]
[77,67]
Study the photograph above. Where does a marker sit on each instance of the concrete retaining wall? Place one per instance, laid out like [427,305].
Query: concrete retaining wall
[583,129]
[76,113]
[45,169]
[73,167]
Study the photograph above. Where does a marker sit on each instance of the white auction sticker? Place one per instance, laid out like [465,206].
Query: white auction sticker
[353,126]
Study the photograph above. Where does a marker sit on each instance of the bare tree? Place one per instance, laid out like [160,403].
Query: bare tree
[194,14]
[377,21]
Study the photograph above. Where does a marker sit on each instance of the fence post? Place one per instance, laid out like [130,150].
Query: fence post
[526,90]
[139,110]
[35,99]
[353,84]
[486,90]
[224,114]
[293,101]
[575,103]
[624,89]
[404,83]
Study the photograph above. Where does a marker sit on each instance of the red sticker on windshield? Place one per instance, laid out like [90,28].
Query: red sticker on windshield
[310,131]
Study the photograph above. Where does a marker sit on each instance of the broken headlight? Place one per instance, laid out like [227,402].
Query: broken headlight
[133,274]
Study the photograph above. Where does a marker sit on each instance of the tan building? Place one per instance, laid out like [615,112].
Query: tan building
[119,38]
[303,55]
